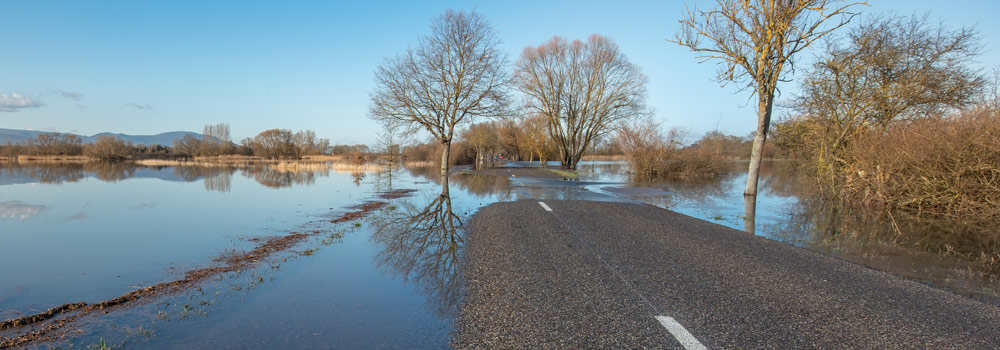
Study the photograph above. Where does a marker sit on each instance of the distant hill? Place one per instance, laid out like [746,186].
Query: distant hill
[166,139]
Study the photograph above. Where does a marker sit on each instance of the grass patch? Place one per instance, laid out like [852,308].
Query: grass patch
[564,173]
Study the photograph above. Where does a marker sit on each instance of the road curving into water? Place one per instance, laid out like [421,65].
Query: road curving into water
[585,274]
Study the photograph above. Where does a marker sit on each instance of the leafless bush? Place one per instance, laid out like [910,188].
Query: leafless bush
[941,167]
[110,148]
[652,155]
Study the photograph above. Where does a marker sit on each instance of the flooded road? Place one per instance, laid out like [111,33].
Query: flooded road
[386,278]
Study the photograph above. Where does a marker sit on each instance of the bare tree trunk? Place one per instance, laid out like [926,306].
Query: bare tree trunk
[444,158]
[750,218]
[763,122]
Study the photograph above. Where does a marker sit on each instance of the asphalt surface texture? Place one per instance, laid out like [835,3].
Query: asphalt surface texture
[597,274]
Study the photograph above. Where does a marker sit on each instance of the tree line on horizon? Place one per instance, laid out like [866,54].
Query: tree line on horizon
[215,141]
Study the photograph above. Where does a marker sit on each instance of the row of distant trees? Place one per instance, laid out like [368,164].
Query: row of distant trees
[215,141]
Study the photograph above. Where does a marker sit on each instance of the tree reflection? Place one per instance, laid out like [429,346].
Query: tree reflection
[219,182]
[216,177]
[385,176]
[484,185]
[112,171]
[46,173]
[274,178]
[423,246]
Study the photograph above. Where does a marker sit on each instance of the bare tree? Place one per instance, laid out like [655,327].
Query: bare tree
[483,139]
[754,42]
[887,70]
[455,74]
[53,144]
[215,140]
[584,89]
[510,135]
[893,68]
[536,137]
[110,148]
[309,144]
[218,133]
[275,143]
[389,141]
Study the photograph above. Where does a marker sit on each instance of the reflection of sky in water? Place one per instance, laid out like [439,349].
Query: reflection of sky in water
[103,236]
[719,200]
[19,210]
[92,239]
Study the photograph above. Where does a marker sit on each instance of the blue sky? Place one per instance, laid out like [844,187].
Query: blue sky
[145,67]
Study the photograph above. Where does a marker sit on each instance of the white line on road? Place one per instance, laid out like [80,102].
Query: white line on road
[544,206]
[680,333]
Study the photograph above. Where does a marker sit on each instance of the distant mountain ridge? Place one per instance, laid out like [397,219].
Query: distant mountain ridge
[165,139]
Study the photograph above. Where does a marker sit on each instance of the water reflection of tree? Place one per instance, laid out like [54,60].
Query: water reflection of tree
[273,178]
[47,173]
[217,178]
[424,171]
[782,178]
[385,176]
[423,246]
[473,183]
[815,220]
[112,171]
[485,185]
[357,177]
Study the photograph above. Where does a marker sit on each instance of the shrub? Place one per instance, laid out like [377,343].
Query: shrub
[937,167]
[651,155]
[110,148]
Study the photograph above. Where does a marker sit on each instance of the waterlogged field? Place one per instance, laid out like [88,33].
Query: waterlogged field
[81,234]
[253,257]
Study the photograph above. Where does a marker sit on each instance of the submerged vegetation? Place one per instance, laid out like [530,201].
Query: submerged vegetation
[893,118]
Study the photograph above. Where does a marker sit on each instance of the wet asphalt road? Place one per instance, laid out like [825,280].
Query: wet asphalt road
[596,274]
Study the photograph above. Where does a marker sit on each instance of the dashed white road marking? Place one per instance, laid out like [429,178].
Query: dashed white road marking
[544,206]
[680,333]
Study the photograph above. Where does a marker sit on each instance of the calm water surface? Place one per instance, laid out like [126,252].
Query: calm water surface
[390,280]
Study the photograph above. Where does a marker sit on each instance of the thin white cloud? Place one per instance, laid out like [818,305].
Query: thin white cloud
[75,96]
[138,106]
[14,101]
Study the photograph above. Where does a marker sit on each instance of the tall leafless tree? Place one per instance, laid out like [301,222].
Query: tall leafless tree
[754,43]
[455,74]
[584,89]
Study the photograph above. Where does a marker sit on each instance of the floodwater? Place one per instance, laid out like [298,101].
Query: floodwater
[390,279]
